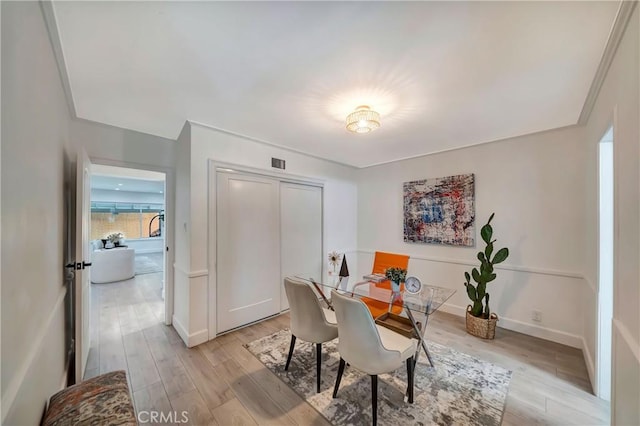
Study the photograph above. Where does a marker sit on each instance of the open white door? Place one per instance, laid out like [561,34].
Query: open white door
[82,283]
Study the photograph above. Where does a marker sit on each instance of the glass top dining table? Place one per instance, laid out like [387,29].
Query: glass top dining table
[427,301]
[422,304]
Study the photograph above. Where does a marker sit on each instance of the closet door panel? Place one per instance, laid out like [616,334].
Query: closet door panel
[248,249]
[301,233]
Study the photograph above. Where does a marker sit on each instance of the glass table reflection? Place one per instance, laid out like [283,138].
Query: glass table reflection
[417,307]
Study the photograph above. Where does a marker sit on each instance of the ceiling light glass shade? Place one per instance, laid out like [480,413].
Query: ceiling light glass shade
[363,120]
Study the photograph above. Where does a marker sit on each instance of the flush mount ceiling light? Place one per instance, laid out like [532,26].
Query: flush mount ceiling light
[363,120]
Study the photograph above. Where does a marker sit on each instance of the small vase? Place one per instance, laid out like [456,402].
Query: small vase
[395,286]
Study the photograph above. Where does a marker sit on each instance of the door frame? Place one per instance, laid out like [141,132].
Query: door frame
[169,198]
[213,167]
[611,122]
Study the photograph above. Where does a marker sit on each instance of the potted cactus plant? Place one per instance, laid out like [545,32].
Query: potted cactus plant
[480,321]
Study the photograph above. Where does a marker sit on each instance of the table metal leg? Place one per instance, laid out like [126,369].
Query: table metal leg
[420,333]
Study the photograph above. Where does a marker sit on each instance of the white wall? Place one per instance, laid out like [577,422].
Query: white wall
[35,164]
[108,144]
[182,224]
[617,104]
[340,218]
[535,186]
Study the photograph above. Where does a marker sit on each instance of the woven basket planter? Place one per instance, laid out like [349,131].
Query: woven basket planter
[480,327]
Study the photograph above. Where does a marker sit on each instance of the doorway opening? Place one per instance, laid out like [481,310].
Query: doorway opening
[128,255]
[605,262]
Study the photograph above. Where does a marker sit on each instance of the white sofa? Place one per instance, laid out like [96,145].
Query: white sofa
[110,265]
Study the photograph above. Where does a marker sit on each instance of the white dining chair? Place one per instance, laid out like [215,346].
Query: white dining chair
[309,320]
[368,347]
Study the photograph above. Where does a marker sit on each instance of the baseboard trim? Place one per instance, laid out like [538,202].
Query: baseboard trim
[545,333]
[591,367]
[198,338]
[9,395]
[182,332]
[193,339]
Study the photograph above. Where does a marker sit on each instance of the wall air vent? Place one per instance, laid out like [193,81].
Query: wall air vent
[277,163]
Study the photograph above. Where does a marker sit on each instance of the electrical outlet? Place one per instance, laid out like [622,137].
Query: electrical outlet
[536,316]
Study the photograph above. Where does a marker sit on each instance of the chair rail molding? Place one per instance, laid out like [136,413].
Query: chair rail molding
[504,267]
[191,274]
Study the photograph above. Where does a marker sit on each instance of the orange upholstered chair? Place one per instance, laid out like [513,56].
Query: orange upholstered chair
[381,262]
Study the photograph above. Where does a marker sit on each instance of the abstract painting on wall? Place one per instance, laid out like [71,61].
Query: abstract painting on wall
[440,211]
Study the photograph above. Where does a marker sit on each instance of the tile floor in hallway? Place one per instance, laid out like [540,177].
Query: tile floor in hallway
[220,382]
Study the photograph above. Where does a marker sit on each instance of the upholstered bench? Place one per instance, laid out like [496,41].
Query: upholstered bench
[102,400]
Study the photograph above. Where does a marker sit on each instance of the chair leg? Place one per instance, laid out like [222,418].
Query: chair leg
[318,364]
[339,377]
[293,343]
[374,398]
[410,367]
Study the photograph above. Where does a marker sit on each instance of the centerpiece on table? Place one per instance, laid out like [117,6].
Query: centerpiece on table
[115,239]
[396,276]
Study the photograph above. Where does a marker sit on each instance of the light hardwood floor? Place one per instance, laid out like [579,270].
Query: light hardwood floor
[220,382]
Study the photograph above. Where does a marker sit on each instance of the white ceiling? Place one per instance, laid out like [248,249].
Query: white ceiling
[125,179]
[442,75]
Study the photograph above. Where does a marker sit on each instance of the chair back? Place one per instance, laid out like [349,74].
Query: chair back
[359,341]
[307,317]
[382,261]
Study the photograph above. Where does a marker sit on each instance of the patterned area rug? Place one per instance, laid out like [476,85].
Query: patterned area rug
[461,390]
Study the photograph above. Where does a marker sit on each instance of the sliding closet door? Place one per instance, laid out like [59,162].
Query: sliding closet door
[248,250]
[301,232]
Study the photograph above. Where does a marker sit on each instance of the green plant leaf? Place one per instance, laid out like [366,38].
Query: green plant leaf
[483,268]
[476,275]
[481,257]
[471,292]
[467,277]
[476,310]
[487,310]
[491,277]
[486,233]
[500,256]
[488,250]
